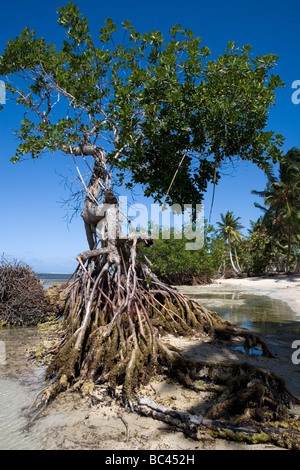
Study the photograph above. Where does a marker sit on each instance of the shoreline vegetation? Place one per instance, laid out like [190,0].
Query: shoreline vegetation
[53,283]
[285,287]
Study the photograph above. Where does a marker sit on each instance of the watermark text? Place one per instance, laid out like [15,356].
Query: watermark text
[2,353]
[163,222]
[296,354]
[2,93]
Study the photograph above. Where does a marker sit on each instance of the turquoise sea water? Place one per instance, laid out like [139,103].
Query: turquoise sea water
[49,277]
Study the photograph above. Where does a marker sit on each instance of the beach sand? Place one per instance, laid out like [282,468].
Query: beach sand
[71,422]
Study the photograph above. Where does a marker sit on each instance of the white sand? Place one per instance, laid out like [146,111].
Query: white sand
[285,288]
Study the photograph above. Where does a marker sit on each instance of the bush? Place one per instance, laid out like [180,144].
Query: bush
[173,263]
[22,297]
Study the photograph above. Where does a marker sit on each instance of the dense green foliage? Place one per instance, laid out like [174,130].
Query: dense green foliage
[258,255]
[272,245]
[152,101]
[149,107]
[281,219]
[174,263]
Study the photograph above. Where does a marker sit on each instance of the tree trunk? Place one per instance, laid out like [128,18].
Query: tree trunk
[116,308]
[221,269]
[288,250]
[237,260]
[231,257]
[297,265]
[92,212]
[116,311]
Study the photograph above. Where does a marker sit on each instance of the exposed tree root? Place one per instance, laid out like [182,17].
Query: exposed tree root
[228,332]
[113,333]
[248,404]
[115,313]
[276,433]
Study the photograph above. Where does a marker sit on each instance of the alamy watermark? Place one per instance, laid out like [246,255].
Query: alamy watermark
[296,354]
[296,93]
[156,221]
[2,92]
[2,353]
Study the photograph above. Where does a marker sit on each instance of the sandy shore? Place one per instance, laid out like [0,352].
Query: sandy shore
[285,288]
[73,422]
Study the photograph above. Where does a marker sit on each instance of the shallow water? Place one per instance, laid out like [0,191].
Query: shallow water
[20,381]
[257,313]
[53,277]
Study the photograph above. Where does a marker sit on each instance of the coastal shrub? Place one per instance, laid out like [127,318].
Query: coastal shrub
[174,264]
[22,297]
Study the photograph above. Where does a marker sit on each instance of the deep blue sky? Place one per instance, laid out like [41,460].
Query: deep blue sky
[33,224]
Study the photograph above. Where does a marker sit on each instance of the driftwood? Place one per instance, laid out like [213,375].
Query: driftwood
[180,419]
[191,425]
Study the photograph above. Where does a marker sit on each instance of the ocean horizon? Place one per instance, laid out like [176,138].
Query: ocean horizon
[46,277]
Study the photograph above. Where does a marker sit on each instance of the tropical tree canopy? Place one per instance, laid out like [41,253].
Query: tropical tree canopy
[230,231]
[281,200]
[230,227]
[150,103]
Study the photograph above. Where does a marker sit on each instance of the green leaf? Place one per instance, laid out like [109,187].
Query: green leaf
[127,24]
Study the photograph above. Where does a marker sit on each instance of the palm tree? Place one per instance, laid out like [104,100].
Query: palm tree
[229,229]
[282,202]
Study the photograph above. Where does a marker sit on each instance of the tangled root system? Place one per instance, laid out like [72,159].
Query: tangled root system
[115,314]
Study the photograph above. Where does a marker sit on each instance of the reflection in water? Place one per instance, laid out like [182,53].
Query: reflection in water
[259,314]
[251,352]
